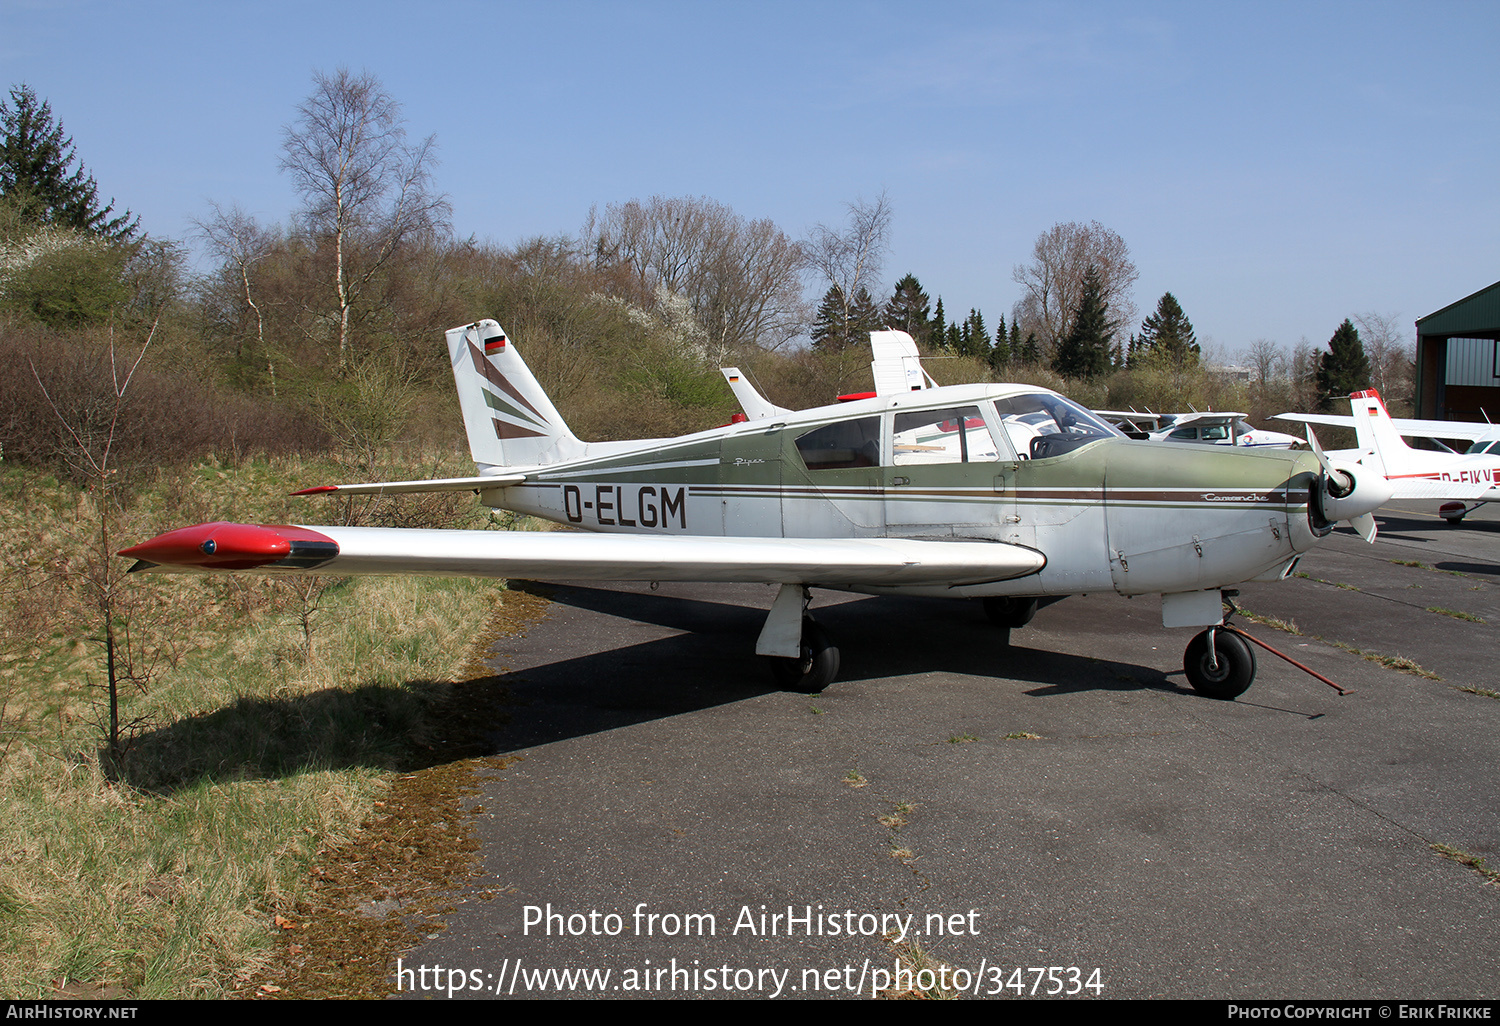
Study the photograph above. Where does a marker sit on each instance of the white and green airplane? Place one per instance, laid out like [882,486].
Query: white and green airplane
[1009,494]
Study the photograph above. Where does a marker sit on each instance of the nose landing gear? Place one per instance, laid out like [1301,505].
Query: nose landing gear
[1219,664]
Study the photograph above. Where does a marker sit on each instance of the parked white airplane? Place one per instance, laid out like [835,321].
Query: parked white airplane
[922,493]
[1467,480]
[1225,428]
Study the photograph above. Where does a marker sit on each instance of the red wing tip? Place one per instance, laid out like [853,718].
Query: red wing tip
[227,546]
[318,490]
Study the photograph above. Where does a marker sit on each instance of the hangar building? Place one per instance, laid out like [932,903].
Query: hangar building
[1458,359]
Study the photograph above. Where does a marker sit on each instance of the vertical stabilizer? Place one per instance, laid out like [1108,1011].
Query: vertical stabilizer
[509,419]
[755,405]
[897,365]
[1379,442]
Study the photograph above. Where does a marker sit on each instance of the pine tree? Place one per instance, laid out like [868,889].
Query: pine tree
[1344,368]
[1085,351]
[839,325]
[910,309]
[864,317]
[1000,354]
[976,337]
[39,177]
[828,325]
[1169,334]
[938,333]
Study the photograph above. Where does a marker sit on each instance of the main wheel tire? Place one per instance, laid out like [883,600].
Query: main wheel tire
[815,669]
[1009,612]
[1235,669]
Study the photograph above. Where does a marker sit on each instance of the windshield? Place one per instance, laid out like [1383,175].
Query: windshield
[1042,425]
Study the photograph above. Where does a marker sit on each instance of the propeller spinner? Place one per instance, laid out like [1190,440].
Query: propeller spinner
[1345,495]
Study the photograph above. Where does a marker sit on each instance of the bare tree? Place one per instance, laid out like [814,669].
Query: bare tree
[241,243]
[365,187]
[740,278]
[1306,358]
[1391,351]
[1054,279]
[849,259]
[102,574]
[1267,361]
[1270,385]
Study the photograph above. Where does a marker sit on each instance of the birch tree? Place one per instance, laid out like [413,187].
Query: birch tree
[367,190]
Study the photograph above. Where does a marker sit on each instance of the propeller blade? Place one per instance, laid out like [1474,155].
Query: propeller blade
[1365,525]
[1312,440]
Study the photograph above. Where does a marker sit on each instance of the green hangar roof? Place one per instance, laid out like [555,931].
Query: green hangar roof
[1473,316]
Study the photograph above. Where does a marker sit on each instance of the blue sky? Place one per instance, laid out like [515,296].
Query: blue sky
[1278,167]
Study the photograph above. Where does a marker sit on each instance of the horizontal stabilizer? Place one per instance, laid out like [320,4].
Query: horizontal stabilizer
[1474,432]
[445,484]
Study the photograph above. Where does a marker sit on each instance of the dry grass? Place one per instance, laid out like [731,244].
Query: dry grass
[259,736]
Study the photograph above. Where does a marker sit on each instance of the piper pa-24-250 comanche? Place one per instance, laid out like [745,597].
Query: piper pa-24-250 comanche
[927,493]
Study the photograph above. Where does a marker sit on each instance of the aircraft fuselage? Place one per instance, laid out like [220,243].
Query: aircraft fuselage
[1135,517]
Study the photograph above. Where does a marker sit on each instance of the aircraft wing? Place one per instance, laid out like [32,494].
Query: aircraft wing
[1184,419]
[568,555]
[1410,428]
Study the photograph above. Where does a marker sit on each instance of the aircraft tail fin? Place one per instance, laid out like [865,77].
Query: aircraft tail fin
[755,405]
[1378,436]
[897,365]
[507,415]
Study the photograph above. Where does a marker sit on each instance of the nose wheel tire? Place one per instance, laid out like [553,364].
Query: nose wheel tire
[1227,672]
[818,664]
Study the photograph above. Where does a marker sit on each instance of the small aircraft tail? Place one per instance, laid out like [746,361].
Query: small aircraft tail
[755,405]
[1380,444]
[897,365]
[508,417]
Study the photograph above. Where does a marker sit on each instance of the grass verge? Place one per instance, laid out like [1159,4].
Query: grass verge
[267,720]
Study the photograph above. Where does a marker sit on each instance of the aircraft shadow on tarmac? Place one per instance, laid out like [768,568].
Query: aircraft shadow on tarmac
[1391,522]
[712,662]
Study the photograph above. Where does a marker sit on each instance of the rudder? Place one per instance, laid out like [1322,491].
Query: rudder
[507,415]
[1377,436]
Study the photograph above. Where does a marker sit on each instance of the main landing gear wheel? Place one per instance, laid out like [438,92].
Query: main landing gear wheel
[815,669]
[1009,612]
[1225,673]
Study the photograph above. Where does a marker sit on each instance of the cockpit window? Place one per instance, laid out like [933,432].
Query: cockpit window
[841,445]
[957,435]
[1042,425]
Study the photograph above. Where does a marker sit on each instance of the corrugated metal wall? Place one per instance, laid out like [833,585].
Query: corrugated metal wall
[1472,361]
